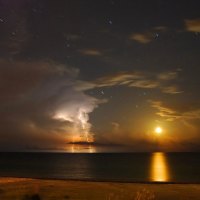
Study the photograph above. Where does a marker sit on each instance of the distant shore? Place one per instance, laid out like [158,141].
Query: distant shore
[36,189]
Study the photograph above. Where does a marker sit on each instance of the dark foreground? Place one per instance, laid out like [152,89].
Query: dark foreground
[36,189]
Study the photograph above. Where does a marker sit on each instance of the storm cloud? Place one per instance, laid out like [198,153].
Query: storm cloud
[40,105]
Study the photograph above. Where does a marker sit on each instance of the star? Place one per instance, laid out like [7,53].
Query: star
[110,22]
[157,35]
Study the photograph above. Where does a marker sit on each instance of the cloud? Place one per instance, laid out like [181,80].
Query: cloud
[192,25]
[171,90]
[84,85]
[176,113]
[148,36]
[170,75]
[160,28]
[121,78]
[164,111]
[161,81]
[91,52]
[144,84]
[41,107]
[116,126]
[143,38]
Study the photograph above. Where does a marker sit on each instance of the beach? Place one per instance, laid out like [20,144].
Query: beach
[44,189]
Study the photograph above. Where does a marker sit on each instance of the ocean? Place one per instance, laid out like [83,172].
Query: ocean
[124,167]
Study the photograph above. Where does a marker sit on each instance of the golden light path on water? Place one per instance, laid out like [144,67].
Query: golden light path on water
[75,148]
[159,168]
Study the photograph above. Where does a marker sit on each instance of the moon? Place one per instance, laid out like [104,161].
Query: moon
[158,130]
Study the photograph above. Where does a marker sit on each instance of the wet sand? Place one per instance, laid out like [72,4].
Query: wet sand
[38,189]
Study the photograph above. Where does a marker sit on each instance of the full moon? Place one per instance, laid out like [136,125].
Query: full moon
[158,130]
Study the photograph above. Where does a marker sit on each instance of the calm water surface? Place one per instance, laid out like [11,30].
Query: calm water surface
[134,167]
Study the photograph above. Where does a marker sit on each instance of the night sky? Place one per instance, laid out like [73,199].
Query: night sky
[102,72]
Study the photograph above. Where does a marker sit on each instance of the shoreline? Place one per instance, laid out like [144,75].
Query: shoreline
[28,188]
[104,180]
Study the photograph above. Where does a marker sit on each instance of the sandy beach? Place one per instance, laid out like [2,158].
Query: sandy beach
[36,189]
